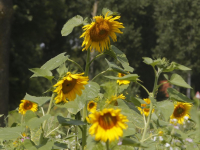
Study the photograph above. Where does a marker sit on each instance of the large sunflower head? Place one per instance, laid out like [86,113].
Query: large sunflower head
[91,106]
[27,105]
[122,81]
[113,99]
[97,34]
[181,112]
[144,109]
[69,86]
[107,124]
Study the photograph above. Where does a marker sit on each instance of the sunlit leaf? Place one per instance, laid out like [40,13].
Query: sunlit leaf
[10,133]
[177,96]
[130,77]
[114,67]
[39,100]
[70,24]
[178,80]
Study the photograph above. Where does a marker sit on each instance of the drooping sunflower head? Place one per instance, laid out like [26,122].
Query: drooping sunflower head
[144,109]
[97,34]
[69,86]
[91,106]
[27,105]
[107,124]
[122,81]
[181,112]
[113,99]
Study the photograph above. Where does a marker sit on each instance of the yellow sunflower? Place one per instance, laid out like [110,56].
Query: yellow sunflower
[97,34]
[107,124]
[143,109]
[122,81]
[92,106]
[181,112]
[113,99]
[69,86]
[27,105]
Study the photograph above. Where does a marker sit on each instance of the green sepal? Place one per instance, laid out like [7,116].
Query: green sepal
[70,24]
[177,96]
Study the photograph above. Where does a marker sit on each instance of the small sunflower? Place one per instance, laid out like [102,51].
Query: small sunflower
[97,34]
[107,124]
[69,86]
[181,111]
[122,81]
[143,109]
[27,105]
[92,106]
[113,99]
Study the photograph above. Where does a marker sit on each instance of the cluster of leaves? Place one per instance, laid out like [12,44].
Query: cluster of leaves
[63,130]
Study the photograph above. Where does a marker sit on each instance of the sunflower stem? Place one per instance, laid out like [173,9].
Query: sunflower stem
[76,64]
[143,87]
[107,145]
[95,58]
[157,73]
[84,131]
[100,74]
[49,108]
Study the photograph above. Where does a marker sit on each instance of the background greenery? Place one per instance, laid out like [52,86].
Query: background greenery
[153,28]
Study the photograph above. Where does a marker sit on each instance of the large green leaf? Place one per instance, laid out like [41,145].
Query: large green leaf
[10,133]
[39,100]
[131,114]
[55,62]
[90,92]
[151,62]
[28,144]
[177,96]
[120,56]
[130,77]
[174,66]
[114,67]
[131,142]
[178,80]
[68,121]
[47,145]
[58,145]
[70,24]
[38,72]
[36,122]
[130,130]
[166,108]
[29,115]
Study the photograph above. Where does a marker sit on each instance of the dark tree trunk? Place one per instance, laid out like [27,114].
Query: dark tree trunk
[5,24]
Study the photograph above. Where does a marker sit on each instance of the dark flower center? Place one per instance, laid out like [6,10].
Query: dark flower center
[107,121]
[99,31]
[28,105]
[179,111]
[91,105]
[67,86]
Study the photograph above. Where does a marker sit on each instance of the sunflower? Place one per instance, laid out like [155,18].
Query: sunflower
[113,99]
[92,106]
[143,109]
[181,112]
[122,81]
[69,86]
[107,124]
[27,105]
[97,34]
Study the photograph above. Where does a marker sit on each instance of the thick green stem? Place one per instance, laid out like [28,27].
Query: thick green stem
[84,132]
[107,145]
[49,108]
[143,87]
[99,74]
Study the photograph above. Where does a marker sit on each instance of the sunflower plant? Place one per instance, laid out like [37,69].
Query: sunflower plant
[82,114]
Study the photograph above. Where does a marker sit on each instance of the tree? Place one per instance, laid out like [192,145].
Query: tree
[5,23]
